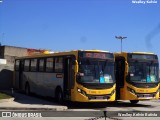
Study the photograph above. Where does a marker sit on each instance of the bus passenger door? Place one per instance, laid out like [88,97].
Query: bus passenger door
[68,76]
[120,71]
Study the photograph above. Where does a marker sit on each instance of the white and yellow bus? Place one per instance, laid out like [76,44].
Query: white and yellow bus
[137,76]
[80,75]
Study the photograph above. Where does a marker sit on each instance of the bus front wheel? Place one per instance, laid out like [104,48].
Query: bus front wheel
[27,89]
[59,96]
[134,101]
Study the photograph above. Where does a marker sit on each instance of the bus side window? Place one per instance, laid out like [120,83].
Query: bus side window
[59,64]
[49,64]
[33,65]
[41,65]
[26,65]
[17,65]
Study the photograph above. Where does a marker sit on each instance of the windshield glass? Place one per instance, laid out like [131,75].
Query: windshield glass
[143,72]
[96,71]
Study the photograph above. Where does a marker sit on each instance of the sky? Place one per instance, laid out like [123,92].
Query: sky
[60,25]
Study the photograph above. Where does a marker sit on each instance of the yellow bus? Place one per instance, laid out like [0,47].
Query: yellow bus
[136,76]
[79,75]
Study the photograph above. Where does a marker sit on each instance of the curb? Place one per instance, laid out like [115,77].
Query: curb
[7,100]
[36,109]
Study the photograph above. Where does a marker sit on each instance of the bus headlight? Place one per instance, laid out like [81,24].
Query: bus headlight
[157,91]
[131,90]
[81,91]
[113,91]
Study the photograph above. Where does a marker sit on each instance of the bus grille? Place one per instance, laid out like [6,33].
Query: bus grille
[98,97]
[146,95]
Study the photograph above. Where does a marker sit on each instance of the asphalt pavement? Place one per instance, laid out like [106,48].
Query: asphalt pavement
[21,101]
[49,109]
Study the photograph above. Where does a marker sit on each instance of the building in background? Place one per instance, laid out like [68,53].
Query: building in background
[7,57]
[11,52]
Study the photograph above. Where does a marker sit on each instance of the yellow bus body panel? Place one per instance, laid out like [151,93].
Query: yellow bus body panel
[127,95]
[79,97]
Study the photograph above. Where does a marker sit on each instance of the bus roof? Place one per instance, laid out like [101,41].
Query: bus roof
[135,53]
[143,53]
[94,50]
[59,53]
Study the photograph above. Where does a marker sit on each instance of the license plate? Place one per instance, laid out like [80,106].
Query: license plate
[147,96]
[99,97]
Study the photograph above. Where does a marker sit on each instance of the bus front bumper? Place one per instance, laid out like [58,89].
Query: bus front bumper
[81,96]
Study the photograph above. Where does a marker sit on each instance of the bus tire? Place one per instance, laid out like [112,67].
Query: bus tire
[27,89]
[134,101]
[59,96]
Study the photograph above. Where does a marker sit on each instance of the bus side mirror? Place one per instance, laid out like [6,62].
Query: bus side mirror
[76,66]
[126,64]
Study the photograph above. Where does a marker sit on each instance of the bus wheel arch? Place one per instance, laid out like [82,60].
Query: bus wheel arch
[134,101]
[59,95]
[27,88]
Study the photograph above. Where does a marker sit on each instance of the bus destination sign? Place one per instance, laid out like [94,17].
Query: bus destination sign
[97,55]
[147,57]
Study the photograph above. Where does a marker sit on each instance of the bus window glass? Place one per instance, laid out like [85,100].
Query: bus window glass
[41,65]
[59,64]
[26,65]
[91,71]
[143,72]
[17,65]
[152,72]
[49,65]
[33,64]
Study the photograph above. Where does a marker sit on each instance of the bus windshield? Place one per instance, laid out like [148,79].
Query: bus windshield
[96,71]
[143,72]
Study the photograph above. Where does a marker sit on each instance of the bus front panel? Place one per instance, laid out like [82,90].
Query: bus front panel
[84,94]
